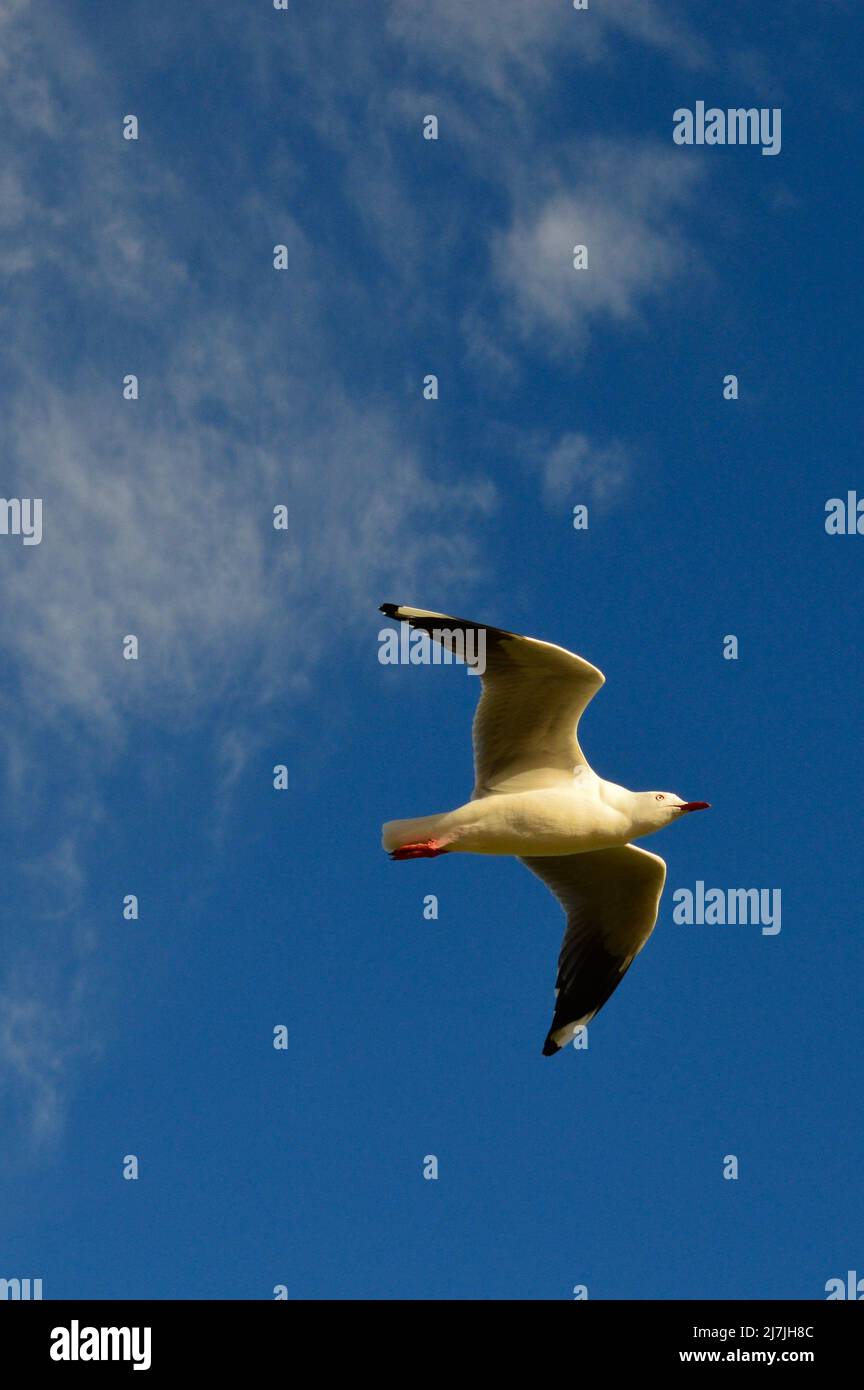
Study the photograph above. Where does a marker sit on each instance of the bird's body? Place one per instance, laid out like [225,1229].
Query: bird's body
[536,797]
[590,814]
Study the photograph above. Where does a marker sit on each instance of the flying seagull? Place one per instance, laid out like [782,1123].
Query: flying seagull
[536,797]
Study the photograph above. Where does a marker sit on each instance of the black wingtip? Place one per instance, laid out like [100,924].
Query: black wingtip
[550,1048]
[389,609]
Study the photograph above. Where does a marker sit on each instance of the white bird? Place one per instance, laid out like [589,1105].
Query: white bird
[536,797]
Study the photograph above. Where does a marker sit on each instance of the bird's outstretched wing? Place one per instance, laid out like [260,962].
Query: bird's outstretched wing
[611,898]
[525,726]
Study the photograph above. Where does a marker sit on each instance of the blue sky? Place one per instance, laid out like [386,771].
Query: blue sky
[408,1037]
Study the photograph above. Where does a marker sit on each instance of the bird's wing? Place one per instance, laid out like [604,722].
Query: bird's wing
[533,696]
[611,897]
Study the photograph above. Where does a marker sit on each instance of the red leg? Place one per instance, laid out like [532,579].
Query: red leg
[425,849]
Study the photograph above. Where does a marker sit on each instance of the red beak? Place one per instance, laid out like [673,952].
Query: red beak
[695,806]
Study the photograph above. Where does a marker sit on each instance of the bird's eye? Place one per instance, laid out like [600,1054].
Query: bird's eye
[660,797]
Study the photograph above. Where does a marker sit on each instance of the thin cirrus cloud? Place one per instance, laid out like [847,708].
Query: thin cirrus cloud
[49,970]
[629,212]
[502,47]
[158,513]
[151,530]
[167,502]
[598,471]
[151,527]
[629,201]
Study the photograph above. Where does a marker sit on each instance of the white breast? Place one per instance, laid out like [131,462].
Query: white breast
[553,820]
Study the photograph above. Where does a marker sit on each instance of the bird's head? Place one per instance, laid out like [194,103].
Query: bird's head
[661,808]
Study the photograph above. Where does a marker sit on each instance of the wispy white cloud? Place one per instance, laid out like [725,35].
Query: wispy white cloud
[511,46]
[578,469]
[572,466]
[663,26]
[25,84]
[44,1036]
[627,208]
[32,1060]
[49,965]
[158,512]
[158,525]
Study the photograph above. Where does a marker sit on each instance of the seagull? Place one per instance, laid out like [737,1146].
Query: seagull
[536,797]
